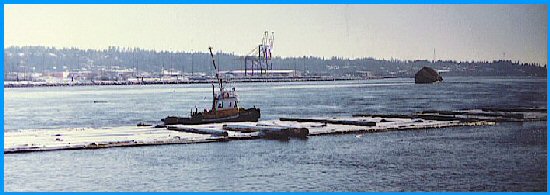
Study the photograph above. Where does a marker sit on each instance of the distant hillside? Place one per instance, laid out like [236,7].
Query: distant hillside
[47,59]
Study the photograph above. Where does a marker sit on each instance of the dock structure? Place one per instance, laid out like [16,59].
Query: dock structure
[284,128]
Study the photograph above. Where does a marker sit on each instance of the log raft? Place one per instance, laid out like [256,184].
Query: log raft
[147,134]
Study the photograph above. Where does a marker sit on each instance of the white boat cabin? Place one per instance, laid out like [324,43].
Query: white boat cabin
[226,100]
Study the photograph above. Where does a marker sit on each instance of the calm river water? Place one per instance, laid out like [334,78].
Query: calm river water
[505,157]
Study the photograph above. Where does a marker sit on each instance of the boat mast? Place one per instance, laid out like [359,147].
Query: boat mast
[216,68]
[214,100]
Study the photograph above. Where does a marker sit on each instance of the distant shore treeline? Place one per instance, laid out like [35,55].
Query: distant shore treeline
[50,59]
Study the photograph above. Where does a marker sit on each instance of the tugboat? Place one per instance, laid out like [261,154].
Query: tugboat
[225,107]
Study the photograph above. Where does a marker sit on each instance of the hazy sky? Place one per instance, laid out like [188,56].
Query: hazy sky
[459,32]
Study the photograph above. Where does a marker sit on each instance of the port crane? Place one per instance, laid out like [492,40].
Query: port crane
[260,57]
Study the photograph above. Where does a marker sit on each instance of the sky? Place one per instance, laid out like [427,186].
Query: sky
[409,32]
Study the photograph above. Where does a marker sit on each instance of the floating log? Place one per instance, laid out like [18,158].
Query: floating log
[240,128]
[383,115]
[514,109]
[198,130]
[270,131]
[331,121]
[437,117]
[143,124]
[474,115]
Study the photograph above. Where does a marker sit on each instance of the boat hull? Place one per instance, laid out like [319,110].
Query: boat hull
[243,115]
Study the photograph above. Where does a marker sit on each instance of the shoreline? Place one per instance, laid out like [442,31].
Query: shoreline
[30,84]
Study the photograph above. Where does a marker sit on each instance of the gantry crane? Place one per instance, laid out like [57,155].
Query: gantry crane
[260,57]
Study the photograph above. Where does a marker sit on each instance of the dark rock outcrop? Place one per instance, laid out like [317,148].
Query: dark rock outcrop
[427,75]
